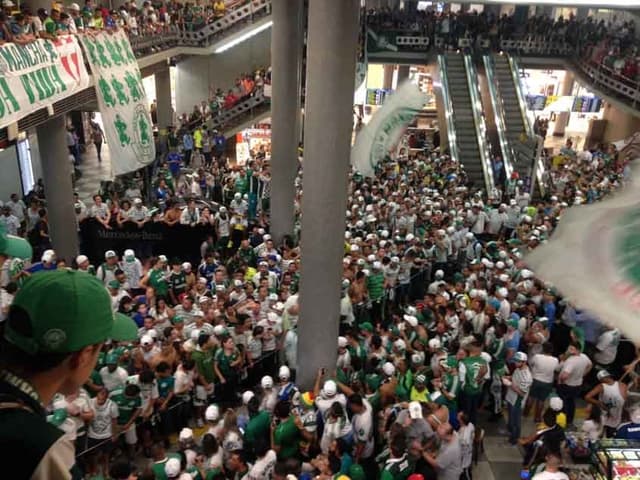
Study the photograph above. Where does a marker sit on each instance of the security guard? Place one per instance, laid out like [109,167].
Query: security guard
[53,334]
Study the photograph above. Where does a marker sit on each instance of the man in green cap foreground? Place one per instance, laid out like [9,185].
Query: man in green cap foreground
[53,334]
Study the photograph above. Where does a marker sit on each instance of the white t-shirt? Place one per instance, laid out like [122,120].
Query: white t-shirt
[324,404]
[100,426]
[576,366]
[113,380]
[263,468]
[183,380]
[543,367]
[363,429]
[607,347]
[544,475]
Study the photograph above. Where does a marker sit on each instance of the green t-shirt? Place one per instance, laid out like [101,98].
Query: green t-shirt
[127,406]
[498,352]
[224,361]
[451,384]
[397,468]
[158,281]
[473,381]
[242,184]
[50,26]
[204,364]
[287,436]
[165,386]
[258,427]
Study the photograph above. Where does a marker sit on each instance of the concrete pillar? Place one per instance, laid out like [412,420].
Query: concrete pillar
[333,27]
[163,98]
[286,62]
[562,118]
[387,76]
[403,73]
[56,173]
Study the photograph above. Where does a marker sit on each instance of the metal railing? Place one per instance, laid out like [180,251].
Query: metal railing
[448,109]
[499,114]
[513,67]
[479,122]
[249,12]
[242,110]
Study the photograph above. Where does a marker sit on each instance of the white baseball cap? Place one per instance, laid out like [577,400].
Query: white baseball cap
[109,254]
[48,255]
[388,369]
[434,343]
[74,7]
[80,259]
[185,434]
[411,320]
[129,254]
[172,468]
[342,342]
[520,357]
[247,396]
[556,404]
[330,388]
[146,340]
[186,266]
[439,274]
[400,344]
[284,373]
[266,382]
[415,410]
[212,413]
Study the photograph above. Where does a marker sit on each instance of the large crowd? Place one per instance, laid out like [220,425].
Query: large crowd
[441,325]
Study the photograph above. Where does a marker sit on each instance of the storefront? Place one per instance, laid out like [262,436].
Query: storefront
[250,141]
[549,93]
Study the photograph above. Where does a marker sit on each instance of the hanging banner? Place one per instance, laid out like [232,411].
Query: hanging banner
[386,127]
[37,74]
[122,100]
[593,259]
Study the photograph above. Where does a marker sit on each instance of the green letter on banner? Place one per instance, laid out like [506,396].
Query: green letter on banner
[7,100]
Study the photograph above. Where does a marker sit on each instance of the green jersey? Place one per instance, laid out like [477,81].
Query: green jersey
[127,406]
[178,282]
[450,383]
[471,374]
[498,352]
[397,468]
[224,361]
[158,281]
[375,285]
[287,437]
[204,364]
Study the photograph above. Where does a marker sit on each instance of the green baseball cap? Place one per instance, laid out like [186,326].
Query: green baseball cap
[356,472]
[13,246]
[63,311]
[114,284]
[177,319]
[366,326]
[112,358]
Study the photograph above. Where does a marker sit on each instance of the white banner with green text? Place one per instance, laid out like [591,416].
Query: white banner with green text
[35,75]
[122,101]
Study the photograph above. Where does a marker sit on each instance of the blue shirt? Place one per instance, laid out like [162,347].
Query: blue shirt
[187,141]
[629,431]
[40,267]
[550,313]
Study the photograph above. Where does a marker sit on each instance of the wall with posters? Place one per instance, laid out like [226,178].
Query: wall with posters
[197,73]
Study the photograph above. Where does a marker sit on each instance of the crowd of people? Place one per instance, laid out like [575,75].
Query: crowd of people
[20,24]
[441,325]
[612,43]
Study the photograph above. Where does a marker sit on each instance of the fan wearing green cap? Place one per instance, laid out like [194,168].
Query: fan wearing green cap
[53,334]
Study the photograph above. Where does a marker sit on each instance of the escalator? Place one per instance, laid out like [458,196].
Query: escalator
[467,132]
[523,143]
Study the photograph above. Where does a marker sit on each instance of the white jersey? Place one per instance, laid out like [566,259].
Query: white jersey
[612,398]
[100,426]
[263,468]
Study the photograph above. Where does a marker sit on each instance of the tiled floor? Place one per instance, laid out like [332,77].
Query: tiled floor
[93,172]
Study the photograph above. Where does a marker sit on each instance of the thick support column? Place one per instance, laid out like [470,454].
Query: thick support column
[56,173]
[387,77]
[163,98]
[403,73]
[562,118]
[333,27]
[286,62]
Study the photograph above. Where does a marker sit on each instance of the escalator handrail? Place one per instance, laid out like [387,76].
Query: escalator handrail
[448,110]
[478,121]
[499,114]
[513,68]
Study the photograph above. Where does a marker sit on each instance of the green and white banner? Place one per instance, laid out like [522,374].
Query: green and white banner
[35,75]
[380,136]
[122,100]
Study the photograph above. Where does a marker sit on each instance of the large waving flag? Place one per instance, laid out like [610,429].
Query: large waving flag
[386,127]
[593,258]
